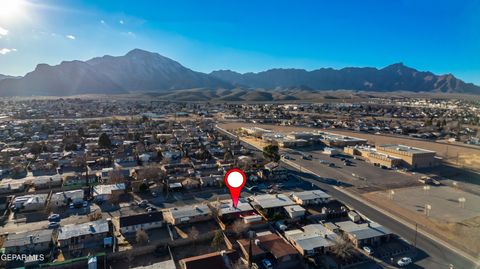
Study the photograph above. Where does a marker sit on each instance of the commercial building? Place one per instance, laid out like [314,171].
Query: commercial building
[372,155]
[411,157]
[335,140]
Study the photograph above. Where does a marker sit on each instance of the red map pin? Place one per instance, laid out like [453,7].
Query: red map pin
[235,179]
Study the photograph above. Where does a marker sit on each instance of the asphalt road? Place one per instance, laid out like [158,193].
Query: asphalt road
[431,254]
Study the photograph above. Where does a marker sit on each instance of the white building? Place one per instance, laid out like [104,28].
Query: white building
[313,197]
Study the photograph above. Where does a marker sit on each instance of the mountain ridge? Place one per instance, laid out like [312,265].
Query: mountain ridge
[144,71]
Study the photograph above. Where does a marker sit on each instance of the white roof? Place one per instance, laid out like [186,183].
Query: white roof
[226,207]
[311,195]
[271,200]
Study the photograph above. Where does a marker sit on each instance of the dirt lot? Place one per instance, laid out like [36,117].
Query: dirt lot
[464,156]
[447,219]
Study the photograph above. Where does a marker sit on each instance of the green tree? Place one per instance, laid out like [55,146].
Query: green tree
[104,141]
[271,152]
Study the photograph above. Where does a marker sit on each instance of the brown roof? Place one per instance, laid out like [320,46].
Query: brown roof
[210,260]
[271,243]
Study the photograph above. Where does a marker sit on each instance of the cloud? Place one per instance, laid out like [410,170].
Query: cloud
[4,51]
[121,22]
[3,32]
[102,21]
[72,37]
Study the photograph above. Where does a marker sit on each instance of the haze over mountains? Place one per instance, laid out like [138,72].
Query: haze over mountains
[143,71]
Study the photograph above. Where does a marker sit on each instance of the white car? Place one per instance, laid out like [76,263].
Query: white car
[368,250]
[404,261]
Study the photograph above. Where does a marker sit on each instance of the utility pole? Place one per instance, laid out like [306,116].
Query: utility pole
[415,240]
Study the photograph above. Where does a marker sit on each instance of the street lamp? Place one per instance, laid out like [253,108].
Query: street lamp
[427,209]
[426,189]
[392,194]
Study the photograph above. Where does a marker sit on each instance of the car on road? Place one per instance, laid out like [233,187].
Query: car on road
[53,225]
[286,157]
[368,250]
[307,157]
[331,165]
[404,261]
[54,218]
[323,162]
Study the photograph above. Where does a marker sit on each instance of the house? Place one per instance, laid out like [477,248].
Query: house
[270,204]
[85,235]
[144,221]
[312,239]
[313,197]
[272,247]
[107,192]
[273,171]
[43,182]
[371,233]
[63,198]
[187,214]
[294,211]
[244,211]
[31,242]
[218,260]
[30,202]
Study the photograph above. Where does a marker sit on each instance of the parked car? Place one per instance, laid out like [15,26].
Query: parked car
[267,264]
[368,250]
[307,157]
[150,209]
[331,165]
[53,225]
[54,218]
[404,261]
[143,203]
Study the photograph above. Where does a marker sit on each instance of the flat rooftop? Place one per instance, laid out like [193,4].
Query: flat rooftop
[273,200]
[363,230]
[404,148]
[75,230]
[311,195]
[189,211]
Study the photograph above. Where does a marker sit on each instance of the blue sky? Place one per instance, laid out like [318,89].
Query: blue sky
[440,36]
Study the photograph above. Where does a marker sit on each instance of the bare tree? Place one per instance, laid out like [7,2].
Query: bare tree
[239,226]
[217,241]
[194,233]
[141,237]
[95,216]
[343,249]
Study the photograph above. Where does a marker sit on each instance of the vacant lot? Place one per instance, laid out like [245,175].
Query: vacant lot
[446,217]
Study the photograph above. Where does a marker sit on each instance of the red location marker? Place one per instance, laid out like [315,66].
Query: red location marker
[235,179]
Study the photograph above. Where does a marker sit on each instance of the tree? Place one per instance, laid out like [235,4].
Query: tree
[194,233]
[271,152]
[217,241]
[141,237]
[228,155]
[104,141]
[239,226]
[343,249]
[95,216]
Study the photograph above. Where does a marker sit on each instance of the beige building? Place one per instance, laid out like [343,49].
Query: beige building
[411,157]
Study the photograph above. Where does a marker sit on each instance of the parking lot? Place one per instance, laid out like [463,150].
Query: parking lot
[365,177]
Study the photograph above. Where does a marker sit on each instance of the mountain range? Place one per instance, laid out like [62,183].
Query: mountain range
[147,72]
